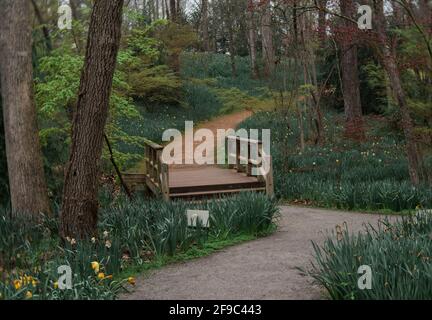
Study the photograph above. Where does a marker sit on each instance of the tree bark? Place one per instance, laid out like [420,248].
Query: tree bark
[28,189]
[267,40]
[41,21]
[350,80]
[252,39]
[416,168]
[322,23]
[204,25]
[173,10]
[79,212]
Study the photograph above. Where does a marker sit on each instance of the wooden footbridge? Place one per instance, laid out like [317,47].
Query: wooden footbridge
[204,181]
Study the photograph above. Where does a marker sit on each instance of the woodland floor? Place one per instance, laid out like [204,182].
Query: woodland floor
[266,268]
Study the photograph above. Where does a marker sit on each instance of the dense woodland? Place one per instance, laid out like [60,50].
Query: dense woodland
[350,108]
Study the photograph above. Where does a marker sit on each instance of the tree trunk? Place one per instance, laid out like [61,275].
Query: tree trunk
[173,10]
[28,189]
[350,80]
[41,21]
[322,22]
[267,40]
[252,39]
[80,194]
[416,168]
[204,25]
[75,5]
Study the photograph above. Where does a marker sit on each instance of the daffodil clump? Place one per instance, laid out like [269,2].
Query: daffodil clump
[339,173]
[131,234]
[399,255]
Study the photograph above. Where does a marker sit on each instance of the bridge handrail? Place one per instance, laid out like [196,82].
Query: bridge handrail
[246,164]
[156,170]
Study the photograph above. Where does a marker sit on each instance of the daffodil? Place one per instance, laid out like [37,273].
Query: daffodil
[29,295]
[95,266]
[105,234]
[131,280]
[55,285]
[108,244]
[17,284]
[101,276]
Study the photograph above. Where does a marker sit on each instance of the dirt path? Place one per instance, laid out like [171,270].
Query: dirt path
[225,122]
[262,269]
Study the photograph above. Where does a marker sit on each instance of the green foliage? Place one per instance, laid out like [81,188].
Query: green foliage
[399,255]
[368,176]
[131,236]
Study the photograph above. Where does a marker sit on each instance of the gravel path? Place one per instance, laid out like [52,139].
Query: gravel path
[261,269]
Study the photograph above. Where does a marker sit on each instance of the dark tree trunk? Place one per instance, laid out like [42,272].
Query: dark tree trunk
[252,39]
[79,212]
[75,5]
[173,10]
[350,80]
[416,168]
[204,25]
[28,189]
[322,22]
[41,21]
[267,39]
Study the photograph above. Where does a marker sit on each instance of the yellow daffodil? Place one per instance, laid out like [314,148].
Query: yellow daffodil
[95,266]
[101,276]
[17,284]
[29,295]
[131,280]
[55,285]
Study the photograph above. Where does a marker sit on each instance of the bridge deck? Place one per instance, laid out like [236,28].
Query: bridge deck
[195,181]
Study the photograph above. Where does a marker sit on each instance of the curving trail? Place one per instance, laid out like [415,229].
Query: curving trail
[261,269]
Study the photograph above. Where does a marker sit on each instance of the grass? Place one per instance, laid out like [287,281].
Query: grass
[399,255]
[132,237]
[371,176]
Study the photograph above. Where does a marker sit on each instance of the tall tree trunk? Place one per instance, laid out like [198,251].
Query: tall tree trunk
[350,80]
[416,168]
[252,39]
[79,212]
[267,39]
[204,25]
[322,22]
[75,5]
[173,10]
[41,21]
[28,189]
[232,51]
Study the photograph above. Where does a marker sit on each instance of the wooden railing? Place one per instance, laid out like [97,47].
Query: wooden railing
[156,171]
[249,157]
